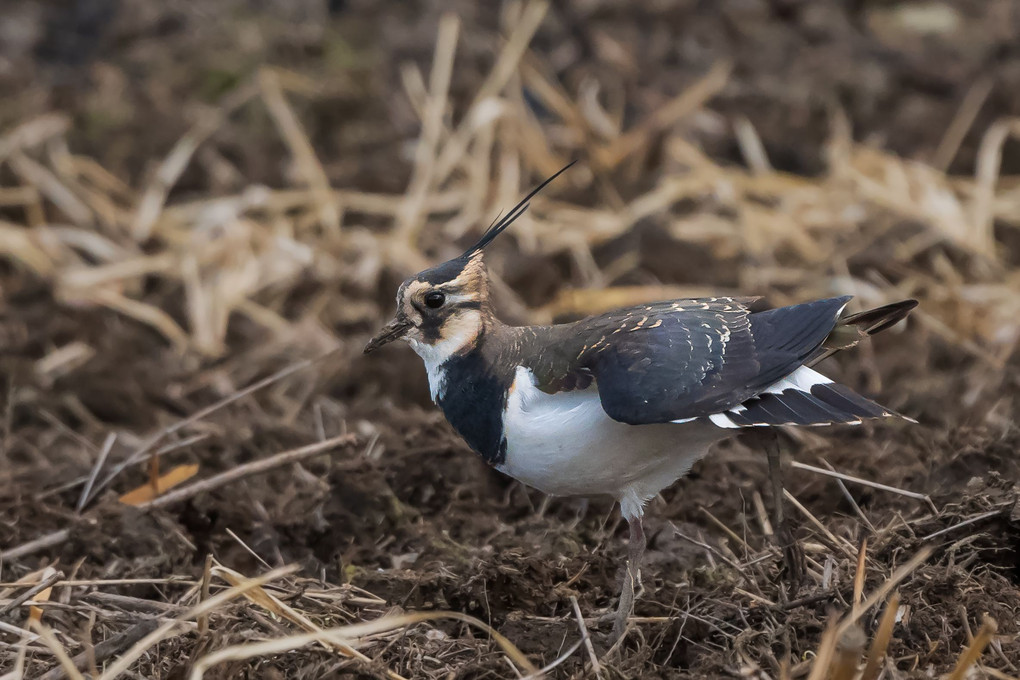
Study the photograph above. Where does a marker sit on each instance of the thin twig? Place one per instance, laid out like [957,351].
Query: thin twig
[100,461]
[167,628]
[300,147]
[809,600]
[37,544]
[105,649]
[970,656]
[66,664]
[686,102]
[436,103]
[704,546]
[596,669]
[506,65]
[151,205]
[851,500]
[966,522]
[866,482]
[881,640]
[203,618]
[541,672]
[201,414]
[32,592]
[839,543]
[883,590]
[962,122]
[729,532]
[247,470]
[861,573]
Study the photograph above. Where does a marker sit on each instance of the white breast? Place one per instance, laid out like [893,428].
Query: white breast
[565,444]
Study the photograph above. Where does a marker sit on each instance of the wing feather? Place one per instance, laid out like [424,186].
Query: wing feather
[689,358]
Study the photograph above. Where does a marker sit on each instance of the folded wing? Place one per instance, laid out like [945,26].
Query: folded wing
[695,358]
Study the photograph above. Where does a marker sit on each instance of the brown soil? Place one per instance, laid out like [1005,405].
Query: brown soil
[407,518]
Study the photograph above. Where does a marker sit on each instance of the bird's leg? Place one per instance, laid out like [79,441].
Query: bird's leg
[582,512]
[793,556]
[632,579]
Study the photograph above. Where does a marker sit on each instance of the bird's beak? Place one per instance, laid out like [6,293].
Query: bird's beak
[394,330]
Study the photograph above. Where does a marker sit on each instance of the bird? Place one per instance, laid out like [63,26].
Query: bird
[622,404]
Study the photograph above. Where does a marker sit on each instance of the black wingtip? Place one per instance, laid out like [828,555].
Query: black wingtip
[824,403]
[500,225]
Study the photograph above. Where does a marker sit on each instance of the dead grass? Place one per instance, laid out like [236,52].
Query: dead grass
[391,567]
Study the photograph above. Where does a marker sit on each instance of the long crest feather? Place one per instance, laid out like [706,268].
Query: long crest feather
[500,225]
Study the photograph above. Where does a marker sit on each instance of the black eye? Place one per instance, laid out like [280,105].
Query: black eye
[434,300]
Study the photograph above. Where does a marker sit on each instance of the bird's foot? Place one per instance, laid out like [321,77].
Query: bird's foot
[632,589]
[793,558]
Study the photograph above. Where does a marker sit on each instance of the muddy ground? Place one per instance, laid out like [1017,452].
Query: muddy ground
[403,517]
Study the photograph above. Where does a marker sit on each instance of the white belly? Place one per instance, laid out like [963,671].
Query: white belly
[565,444]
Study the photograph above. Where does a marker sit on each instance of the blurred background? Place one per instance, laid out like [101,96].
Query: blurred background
[197,197]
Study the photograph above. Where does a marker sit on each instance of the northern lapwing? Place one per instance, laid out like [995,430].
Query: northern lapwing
[624,403]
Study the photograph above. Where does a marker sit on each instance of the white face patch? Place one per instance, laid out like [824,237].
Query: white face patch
[457,322]
[459,331]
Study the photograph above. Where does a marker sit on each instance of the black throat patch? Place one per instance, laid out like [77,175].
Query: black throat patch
[473,400]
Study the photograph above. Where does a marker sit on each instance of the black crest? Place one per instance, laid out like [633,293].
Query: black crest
[500,225]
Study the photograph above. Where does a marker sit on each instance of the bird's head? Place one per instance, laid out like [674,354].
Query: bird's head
[443,309]
[440,310]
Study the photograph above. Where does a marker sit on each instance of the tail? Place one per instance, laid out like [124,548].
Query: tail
[806,397]
[851,329]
